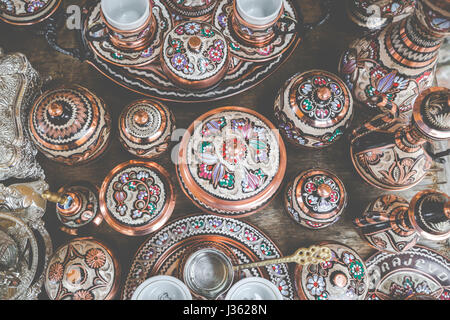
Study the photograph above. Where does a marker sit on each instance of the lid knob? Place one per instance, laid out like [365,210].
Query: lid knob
[324,93]
[55,109]
[195,43]
[324,190]
[339,279]
[141,117]
[54,197]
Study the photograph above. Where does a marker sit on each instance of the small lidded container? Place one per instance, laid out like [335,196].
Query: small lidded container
[313,109]
[137,197]
[315,198]
[231,161]
[70,125]
[197,9]
[344,277]
[145,128]
[82,269]
[195,55]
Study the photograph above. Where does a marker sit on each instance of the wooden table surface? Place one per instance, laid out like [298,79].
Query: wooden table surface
[319,50]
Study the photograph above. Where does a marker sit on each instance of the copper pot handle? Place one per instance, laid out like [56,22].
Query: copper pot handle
[96,28]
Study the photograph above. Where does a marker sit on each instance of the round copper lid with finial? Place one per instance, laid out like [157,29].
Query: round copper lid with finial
[137,197]
[146,127]
[344,277]
[82,269]
[314,108]
[193,9]
[70,125]
[431,113]
[195,55]
[315,198]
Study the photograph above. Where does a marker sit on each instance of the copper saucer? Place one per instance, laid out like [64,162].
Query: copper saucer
[161,253]
[222,19]
[106,51]
[24,13]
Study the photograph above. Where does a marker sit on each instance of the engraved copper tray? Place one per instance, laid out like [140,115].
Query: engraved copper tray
[150,80]
[399,276]
[160,254]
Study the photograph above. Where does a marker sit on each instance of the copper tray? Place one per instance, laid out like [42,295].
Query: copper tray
[161,253]
[397,276]
[151,81]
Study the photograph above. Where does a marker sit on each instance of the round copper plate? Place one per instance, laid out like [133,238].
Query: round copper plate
[24,13]
[137,197]
[396,276]
[231,161]
[82,269]
[343,278]
[161,253]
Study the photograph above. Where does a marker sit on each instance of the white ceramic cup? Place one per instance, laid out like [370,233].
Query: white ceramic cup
[162,288]
[259,12]
[126,15]
[254,288]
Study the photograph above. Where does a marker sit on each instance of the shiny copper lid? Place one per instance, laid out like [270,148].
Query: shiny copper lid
[192,9]
[431,113]
[314,108]
[231,161]
[25,12]
[195,55]
[82,269]
[145,128]
[316,198]
[137,197]
[345,277]
[70,125]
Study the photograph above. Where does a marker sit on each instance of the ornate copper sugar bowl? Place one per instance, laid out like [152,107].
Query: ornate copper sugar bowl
[193,9]
[77,207]
[137,197]
[375,14]
[313,109]
[83,269]
[315,198]
[231,161]
[391,224]
[146,127]
[391,155]
[195,55]
[388,69]
[344,277]
[70,125]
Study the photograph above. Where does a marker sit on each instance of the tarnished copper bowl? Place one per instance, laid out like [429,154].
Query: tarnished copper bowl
[137,197]
[231,161]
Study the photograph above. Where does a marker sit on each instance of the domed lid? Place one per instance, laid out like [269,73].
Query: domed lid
[83,269]
[195,55]
[318,99]
[192,8]
[137,197]
[66,122]
[231,161]
[431,113]
[25,12]
[145,128]
[319,194]
[344,277]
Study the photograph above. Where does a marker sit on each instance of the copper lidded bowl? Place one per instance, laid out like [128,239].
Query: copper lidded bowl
[82,269]
[196,9]
[27,13]
[315,198]
[313,109]
[146,127]
[195,55]
[344,277]
[137,197]
[70,125]
[231,161]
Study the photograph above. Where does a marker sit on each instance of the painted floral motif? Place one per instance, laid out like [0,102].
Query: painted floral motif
[314,201]
[56,272]
[402,171]
[407,288]
[95,258]
[315,284]
[357,270]
[83,295]
[384,85]
[191,28]
[215,223]
[283,287]
[265,250]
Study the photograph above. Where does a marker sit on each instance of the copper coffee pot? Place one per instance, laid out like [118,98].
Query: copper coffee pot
[390,154]
[392,224]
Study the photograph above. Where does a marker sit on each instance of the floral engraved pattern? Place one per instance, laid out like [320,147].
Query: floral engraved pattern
[314,201]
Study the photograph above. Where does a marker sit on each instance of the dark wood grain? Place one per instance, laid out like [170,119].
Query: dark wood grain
[319,50]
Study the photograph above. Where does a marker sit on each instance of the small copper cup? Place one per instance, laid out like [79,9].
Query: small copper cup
[132,35]
[255,22]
